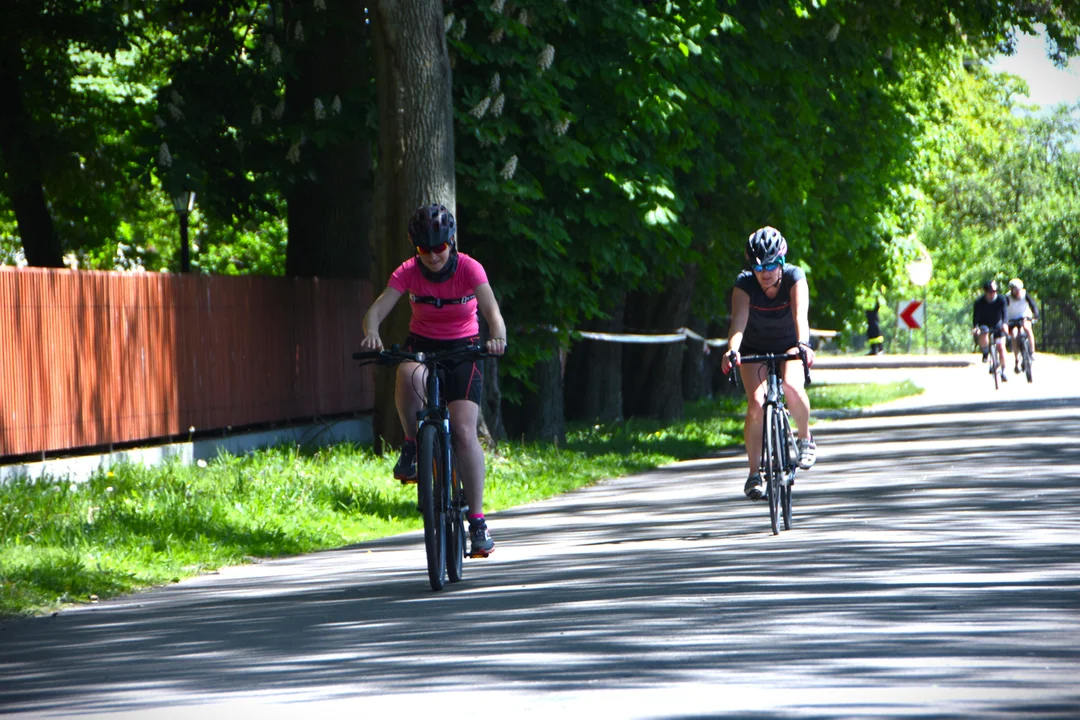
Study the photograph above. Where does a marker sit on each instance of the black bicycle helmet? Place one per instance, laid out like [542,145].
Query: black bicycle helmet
[765,246]
[431,226]
[990,286]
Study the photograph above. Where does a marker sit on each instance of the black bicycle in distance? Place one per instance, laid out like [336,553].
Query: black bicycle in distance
[1025,346]
[439,489]
[779,453]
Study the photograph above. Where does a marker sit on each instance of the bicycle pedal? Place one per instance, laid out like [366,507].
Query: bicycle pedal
[479,555]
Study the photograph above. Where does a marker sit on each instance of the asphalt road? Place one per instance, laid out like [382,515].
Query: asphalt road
[933,571]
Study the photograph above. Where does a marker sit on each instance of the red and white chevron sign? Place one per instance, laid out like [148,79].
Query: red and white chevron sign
[911,314]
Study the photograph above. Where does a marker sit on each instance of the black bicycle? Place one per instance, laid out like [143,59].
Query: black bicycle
[779,453]
[1025,346]
[439,490]
[991,343]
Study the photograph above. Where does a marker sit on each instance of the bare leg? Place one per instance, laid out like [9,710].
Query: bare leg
[470,456]
[1001,351]
[984,342]
[409,395]
[797,400]
[753,379]
[1014,333]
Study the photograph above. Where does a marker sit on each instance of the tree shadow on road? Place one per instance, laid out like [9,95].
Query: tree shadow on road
[918,566]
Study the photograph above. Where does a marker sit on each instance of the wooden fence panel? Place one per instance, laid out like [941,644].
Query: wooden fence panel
[99,358]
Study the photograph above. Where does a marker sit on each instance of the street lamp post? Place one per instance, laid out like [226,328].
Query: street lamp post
[183,203]
[919,272]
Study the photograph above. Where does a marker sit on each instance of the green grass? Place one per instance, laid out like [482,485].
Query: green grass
[849,396]
[136,527]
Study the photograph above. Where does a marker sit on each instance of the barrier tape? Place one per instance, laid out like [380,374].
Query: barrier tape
[680,335]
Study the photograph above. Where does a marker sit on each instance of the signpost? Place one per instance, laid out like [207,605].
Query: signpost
[919,272]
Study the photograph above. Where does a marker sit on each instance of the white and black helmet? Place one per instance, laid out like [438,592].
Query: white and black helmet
[765,246]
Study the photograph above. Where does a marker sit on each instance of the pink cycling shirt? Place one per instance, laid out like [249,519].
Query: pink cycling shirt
[452,321]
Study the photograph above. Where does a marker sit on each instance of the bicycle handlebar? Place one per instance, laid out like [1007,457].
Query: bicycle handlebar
[396,355]
[779,358]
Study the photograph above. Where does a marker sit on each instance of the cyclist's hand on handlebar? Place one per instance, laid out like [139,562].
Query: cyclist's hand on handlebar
[372,341]
[808,356]
[730,359]
[496,346]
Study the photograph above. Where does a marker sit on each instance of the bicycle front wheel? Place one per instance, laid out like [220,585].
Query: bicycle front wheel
[772,467]
[1025,348]
[455,525]
[429,485]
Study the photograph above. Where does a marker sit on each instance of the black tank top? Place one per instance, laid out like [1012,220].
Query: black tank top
[771,324]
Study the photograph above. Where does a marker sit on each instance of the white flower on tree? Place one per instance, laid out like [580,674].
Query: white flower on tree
[274,50]
[459,29]
[497,106]
[177,113]
[279,110]
[164,156]
[319,4]
[509,168]
[523,18]
[480,108]
[496,81]
[496,36]
[293,156]
[448,22]
[320,111]
[560,128]
[546,57]
[177,99]
[497,6]
[256,116]
[335,107]
[298,31]
[159,121]
[834,31]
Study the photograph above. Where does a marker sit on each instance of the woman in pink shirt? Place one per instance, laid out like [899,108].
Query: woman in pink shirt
[445,290]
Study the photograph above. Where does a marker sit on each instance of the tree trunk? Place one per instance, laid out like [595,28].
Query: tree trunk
[652,374]
[696,383]
[21,163]
[330,202]
[594,373]
[416,150]
[542,414]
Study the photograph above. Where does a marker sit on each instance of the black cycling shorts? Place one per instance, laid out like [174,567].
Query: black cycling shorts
[775,349]
[997,333]
[462,379]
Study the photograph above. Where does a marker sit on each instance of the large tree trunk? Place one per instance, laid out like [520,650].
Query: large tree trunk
[330,207]
[20,160]
[696,375]
[652,374]
[593,389]
[416,151]
[542,414]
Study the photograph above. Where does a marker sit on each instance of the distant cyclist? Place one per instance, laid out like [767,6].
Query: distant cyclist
[445,289]
[769,308]
[989,318]
[1020,311]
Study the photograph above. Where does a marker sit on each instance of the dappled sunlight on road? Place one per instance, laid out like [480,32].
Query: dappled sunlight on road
[933,569]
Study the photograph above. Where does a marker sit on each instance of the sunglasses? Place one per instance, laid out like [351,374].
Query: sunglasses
[426,251]
[767,267]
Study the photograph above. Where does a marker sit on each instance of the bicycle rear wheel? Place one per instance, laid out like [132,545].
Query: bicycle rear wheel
[771,467]
[429,485]
[1025,349]
[455,525]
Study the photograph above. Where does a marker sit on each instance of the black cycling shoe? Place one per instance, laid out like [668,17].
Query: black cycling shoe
[482,544]
[405,470]
[754,487]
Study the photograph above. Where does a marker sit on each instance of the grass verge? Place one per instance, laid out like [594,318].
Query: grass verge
[135,527]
